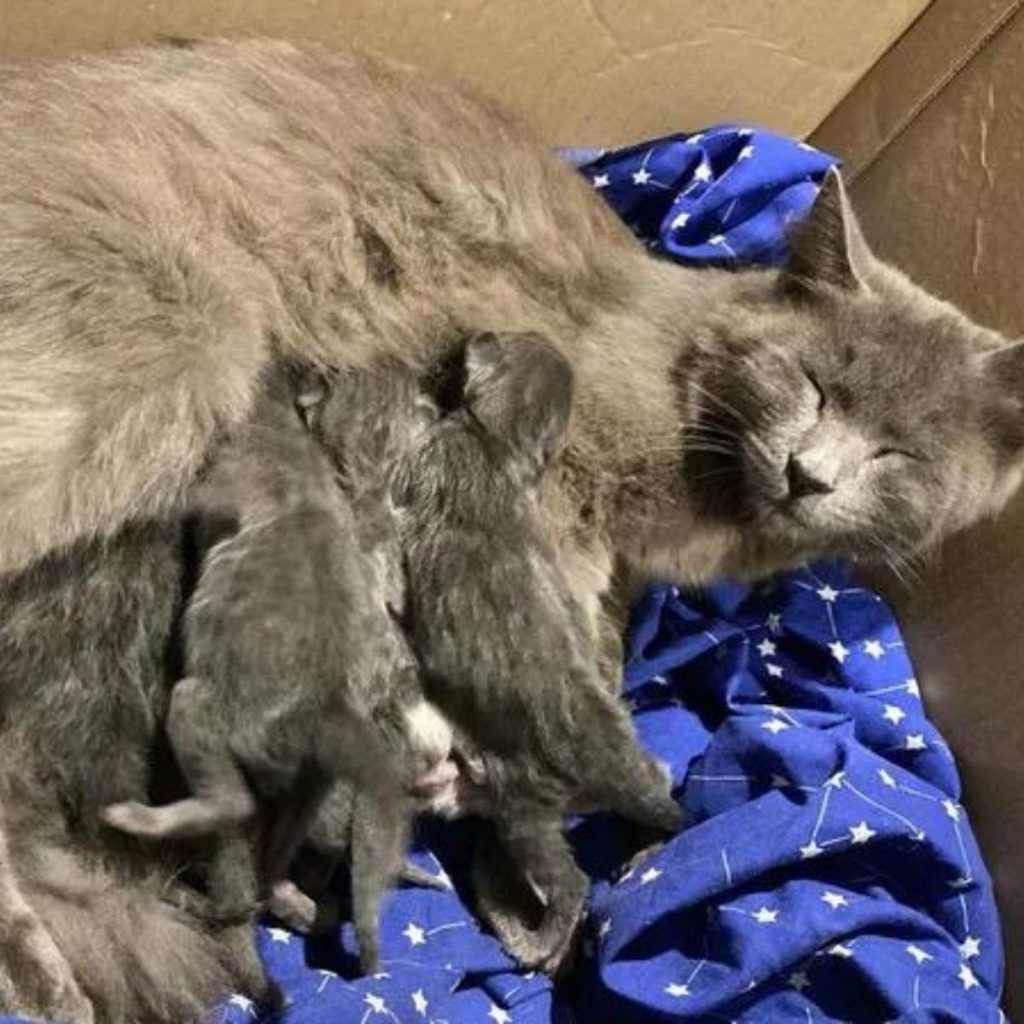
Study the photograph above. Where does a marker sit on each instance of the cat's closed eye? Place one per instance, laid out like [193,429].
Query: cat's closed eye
[888,452]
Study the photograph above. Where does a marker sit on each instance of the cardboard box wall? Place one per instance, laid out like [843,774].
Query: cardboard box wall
[934,141]
[585,71]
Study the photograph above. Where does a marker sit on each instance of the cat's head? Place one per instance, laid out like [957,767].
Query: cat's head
[850,412]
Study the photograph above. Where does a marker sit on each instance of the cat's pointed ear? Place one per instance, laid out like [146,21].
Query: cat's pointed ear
[1002,365]
[827,250]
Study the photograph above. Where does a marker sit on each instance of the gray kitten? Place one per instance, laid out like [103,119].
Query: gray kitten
[367,422]
[505,649]
[86,639]
[288,644]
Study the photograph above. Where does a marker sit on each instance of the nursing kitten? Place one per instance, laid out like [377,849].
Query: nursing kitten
[86,639]
[288,645]
[238,199]
[366,422]
[505,650]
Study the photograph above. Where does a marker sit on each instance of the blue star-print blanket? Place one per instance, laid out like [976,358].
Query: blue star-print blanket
[828,871]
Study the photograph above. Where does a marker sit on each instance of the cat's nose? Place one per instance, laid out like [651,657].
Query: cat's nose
[805,480]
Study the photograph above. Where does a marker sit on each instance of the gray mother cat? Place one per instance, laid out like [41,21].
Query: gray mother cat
[171,217]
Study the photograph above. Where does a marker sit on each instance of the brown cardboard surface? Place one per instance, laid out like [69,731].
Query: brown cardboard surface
[943,199]
[585,71]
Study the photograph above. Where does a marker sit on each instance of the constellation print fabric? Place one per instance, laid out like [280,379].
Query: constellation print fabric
[828,871]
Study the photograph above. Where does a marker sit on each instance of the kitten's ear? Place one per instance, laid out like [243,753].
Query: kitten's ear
[827,250]
[520,389]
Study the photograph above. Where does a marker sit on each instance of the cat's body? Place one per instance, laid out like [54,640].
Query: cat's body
[170,216]
[505,649]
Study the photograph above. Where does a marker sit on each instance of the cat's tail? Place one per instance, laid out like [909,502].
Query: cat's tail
[136,957]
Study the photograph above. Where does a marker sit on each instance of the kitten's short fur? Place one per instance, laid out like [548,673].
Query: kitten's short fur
[506,651]
[172,216]
[288,645]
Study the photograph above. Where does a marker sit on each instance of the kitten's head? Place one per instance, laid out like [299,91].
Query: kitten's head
[368,420]
[852,413]
[519,390]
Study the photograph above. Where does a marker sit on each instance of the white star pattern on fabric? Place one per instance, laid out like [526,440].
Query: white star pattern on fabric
[839,651]
[835,900]
[601,181]
[650,875]
[375,1003]
[605,929]
[861,833]
[774,622]
[811,850]
[913,688]
[765,916]
[498,1015]
[242,1003]
[968,978]
[873,649]
[775,726]
[677,991]
[694,139]
[970,948]
[703,173]
[919,954]
[680,220]
[775,671]
[828,593]
[835,781]
[716,240]
[419,1002]
[799,981]
[916,741]
[766,648]
[279,935]
[415,934]
[894,714]
[746,153]
[841,951]
[887,779]
[951,809]
[964,882]
[642,176]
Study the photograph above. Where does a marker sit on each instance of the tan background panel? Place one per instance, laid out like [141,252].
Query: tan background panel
[585,71]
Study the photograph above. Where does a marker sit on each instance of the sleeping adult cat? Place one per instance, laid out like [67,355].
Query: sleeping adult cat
[171,217]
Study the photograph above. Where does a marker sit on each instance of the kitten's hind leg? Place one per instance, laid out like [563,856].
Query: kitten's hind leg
[532,834]
[222,797]
[380,831]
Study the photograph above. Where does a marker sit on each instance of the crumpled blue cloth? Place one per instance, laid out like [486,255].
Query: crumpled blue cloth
[724,195]
[828,871]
